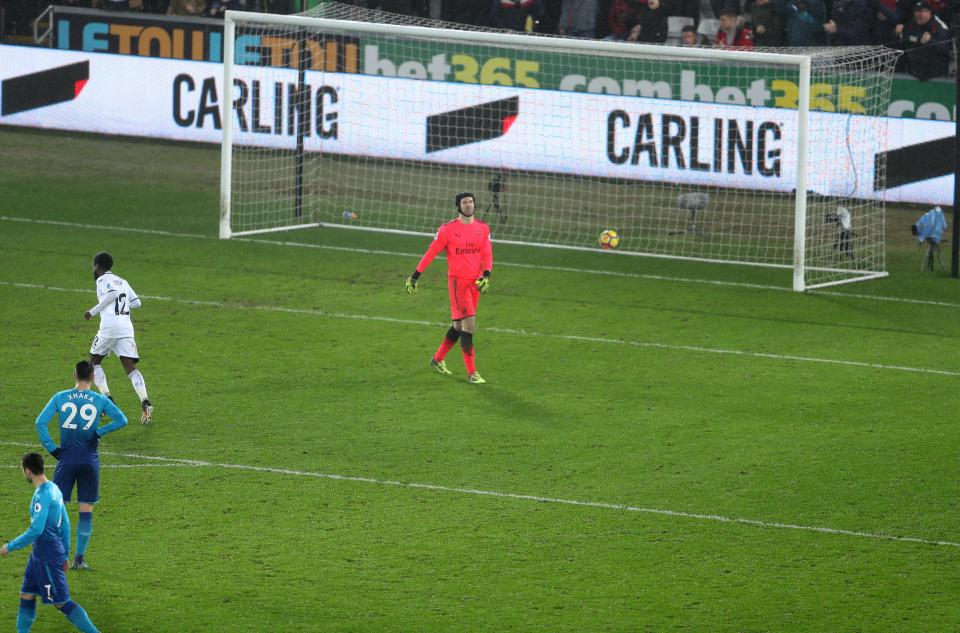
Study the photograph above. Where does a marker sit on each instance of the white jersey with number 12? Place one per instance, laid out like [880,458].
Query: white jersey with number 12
[115,319]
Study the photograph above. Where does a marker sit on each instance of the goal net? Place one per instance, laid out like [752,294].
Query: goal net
[764,158]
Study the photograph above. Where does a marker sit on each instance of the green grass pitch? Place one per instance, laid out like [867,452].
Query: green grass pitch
[652,452]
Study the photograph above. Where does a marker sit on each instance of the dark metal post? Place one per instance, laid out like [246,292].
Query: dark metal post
[955,240]
[302,110]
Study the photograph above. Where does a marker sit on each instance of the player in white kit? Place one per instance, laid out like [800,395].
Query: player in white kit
[115,300]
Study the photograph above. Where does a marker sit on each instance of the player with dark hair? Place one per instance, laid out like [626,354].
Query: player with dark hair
[469,251]
[78,463]
[115,300]
[49,533]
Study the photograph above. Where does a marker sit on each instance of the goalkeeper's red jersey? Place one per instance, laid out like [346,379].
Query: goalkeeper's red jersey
[468,248]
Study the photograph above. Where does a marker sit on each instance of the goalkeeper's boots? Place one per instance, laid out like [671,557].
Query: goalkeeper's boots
[79,563]
[475,378]
[440,366]
[147,416]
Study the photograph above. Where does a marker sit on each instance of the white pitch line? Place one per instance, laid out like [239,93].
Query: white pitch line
[103,227]
[501,330]
[170,465]
[567,269]
[734,352]
[527,497]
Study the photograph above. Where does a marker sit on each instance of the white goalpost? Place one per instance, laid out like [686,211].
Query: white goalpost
[762,158]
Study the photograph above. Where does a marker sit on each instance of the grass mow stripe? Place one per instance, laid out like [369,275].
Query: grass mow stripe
[500,330]
[600,505]
[568,269]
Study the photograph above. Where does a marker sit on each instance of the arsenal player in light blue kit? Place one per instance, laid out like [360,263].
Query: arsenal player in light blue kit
[78,412]
[49,533]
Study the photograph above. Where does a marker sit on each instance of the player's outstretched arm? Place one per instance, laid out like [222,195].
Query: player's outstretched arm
[108,299]
[438,244]
[40,511]
[42,420]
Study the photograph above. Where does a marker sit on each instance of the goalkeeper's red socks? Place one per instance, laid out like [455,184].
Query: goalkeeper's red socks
[466,346]
[449,341]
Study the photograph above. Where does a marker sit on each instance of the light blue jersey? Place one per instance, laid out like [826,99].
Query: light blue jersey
[49,530]
[79,416]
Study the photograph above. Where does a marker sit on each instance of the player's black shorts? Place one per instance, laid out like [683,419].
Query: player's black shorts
[85,476]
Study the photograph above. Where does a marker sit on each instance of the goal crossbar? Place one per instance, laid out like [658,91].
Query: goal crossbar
[510,39]
[801,62]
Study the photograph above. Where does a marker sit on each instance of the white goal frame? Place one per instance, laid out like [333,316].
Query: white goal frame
[802,62]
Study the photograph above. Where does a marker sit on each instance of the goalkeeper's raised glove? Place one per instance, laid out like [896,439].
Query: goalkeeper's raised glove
[412,283]
[483,283]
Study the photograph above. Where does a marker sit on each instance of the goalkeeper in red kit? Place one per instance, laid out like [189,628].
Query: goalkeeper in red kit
[466,241]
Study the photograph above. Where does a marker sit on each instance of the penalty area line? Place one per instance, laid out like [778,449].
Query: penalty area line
[599,505]
[545,267]
[519,332]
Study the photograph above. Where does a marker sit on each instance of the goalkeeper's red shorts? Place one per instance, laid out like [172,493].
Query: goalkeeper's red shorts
[464,297]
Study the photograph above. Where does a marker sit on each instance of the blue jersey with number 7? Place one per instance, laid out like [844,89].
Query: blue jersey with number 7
[78,415]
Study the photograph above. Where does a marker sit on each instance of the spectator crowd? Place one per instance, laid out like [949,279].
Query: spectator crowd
[922,28]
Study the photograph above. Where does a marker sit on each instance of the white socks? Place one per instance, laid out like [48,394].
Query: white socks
[100,380]
[138,385]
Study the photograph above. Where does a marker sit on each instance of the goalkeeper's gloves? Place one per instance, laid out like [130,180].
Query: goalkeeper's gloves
[55,453]
[483,283]
[412,283]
